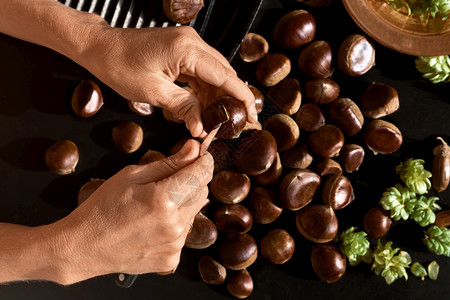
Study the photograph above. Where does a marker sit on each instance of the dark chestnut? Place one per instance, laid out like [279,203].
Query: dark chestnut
[233,218]
[272,175]
[315,60]
[238,251]
[440,169]
[382,137]
[317,223]
[259,98]
[294,29]
[297,188]
[151,156]
[211,271]
[222,154]
[230,187]
[356,55]
[321,90]
[182,11]
[351,157]
[273,68]
[203,234]
[297,157]
[377,222]
[88,189]
[277,246]
[284,130]
[127,136]
[142,108]
[328,166]
[379,100]
[253,47]
[255,152]
[326,141]
[264,205]
[309,117]
[62,157]
[227,110]
[286,96]
[328,262]
[240,284]
[87,99]
[337,192]
[346,115]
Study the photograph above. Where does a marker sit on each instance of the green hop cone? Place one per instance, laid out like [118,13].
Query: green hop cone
[414,175]
[418,270]
[434,68]
[437,240]
[399,200]
[390,263]
[355,246]
[423,211]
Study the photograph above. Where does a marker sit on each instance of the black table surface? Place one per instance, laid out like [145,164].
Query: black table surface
[36,86]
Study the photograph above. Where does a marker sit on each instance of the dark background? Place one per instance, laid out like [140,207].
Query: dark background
[36,86]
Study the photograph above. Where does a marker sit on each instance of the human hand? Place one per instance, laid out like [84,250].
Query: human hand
[142,65]
[137,221]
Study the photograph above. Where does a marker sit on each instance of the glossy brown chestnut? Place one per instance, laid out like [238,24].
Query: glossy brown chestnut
[62,157]
[227,110]
[315,60]
[356,55]
[326,141]
[337,192]
[294,29]
[441,166]
[442,218]
[255,152]
[259,98]
[211,271]
[182,11]
[87,99]
[321,90]
[277,246]
[203,234]
[127,136]
[151,156]
[240,284]
[272,175]
[222,154]
[379,100]
[238,251]
[377,222]
[286,96]
[309,117]
[297,188]
[346,115]
[297,157]
[141,108]
[253,47]
[230,187]
[328,166]
[88,189]
[264,205]
[273,68]
[382,137]
[328,262]
[317,223]
[233,218]
[351,157]
[284,129]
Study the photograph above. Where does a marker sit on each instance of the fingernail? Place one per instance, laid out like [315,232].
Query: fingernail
[187,147]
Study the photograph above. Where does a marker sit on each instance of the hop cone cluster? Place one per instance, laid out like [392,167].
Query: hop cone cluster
[414,175]
[390,263]
[437,240]
[434,68]
[355,246]
[399,201]
[423,211]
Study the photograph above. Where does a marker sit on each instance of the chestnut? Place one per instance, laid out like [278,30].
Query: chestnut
[151,156]
[141,108]
[328,166]
[326,141]
[88,189]
[297,157]
[211,271]
[356,55]
[328,262]
[182,11]
[351,157]
[346,115]
[337,192]
[222,154]
[259,98]
[62,157]
[277,246]
[286,96]
[255,152]
[263,204]
[442,218]
[229,186]
[127,136]
[377,222]
[382,137]
[440,169]
[233,218]
[273,68]
[272,175]
[294,29]
[317,223]
[87,99]
[284,130]
[297,188]
[253,47]
[321,90]
[203,233]
[315,60]
[227,110]
[240,284]
[309,117]
[379,100]
[238,251]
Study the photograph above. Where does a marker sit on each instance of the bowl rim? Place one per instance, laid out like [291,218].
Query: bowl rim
[393,38]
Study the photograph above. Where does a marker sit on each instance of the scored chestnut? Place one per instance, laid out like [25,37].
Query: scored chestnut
[62,157]
[294,29]
[317,223]
[277,246]
[230,187]
[87,99]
